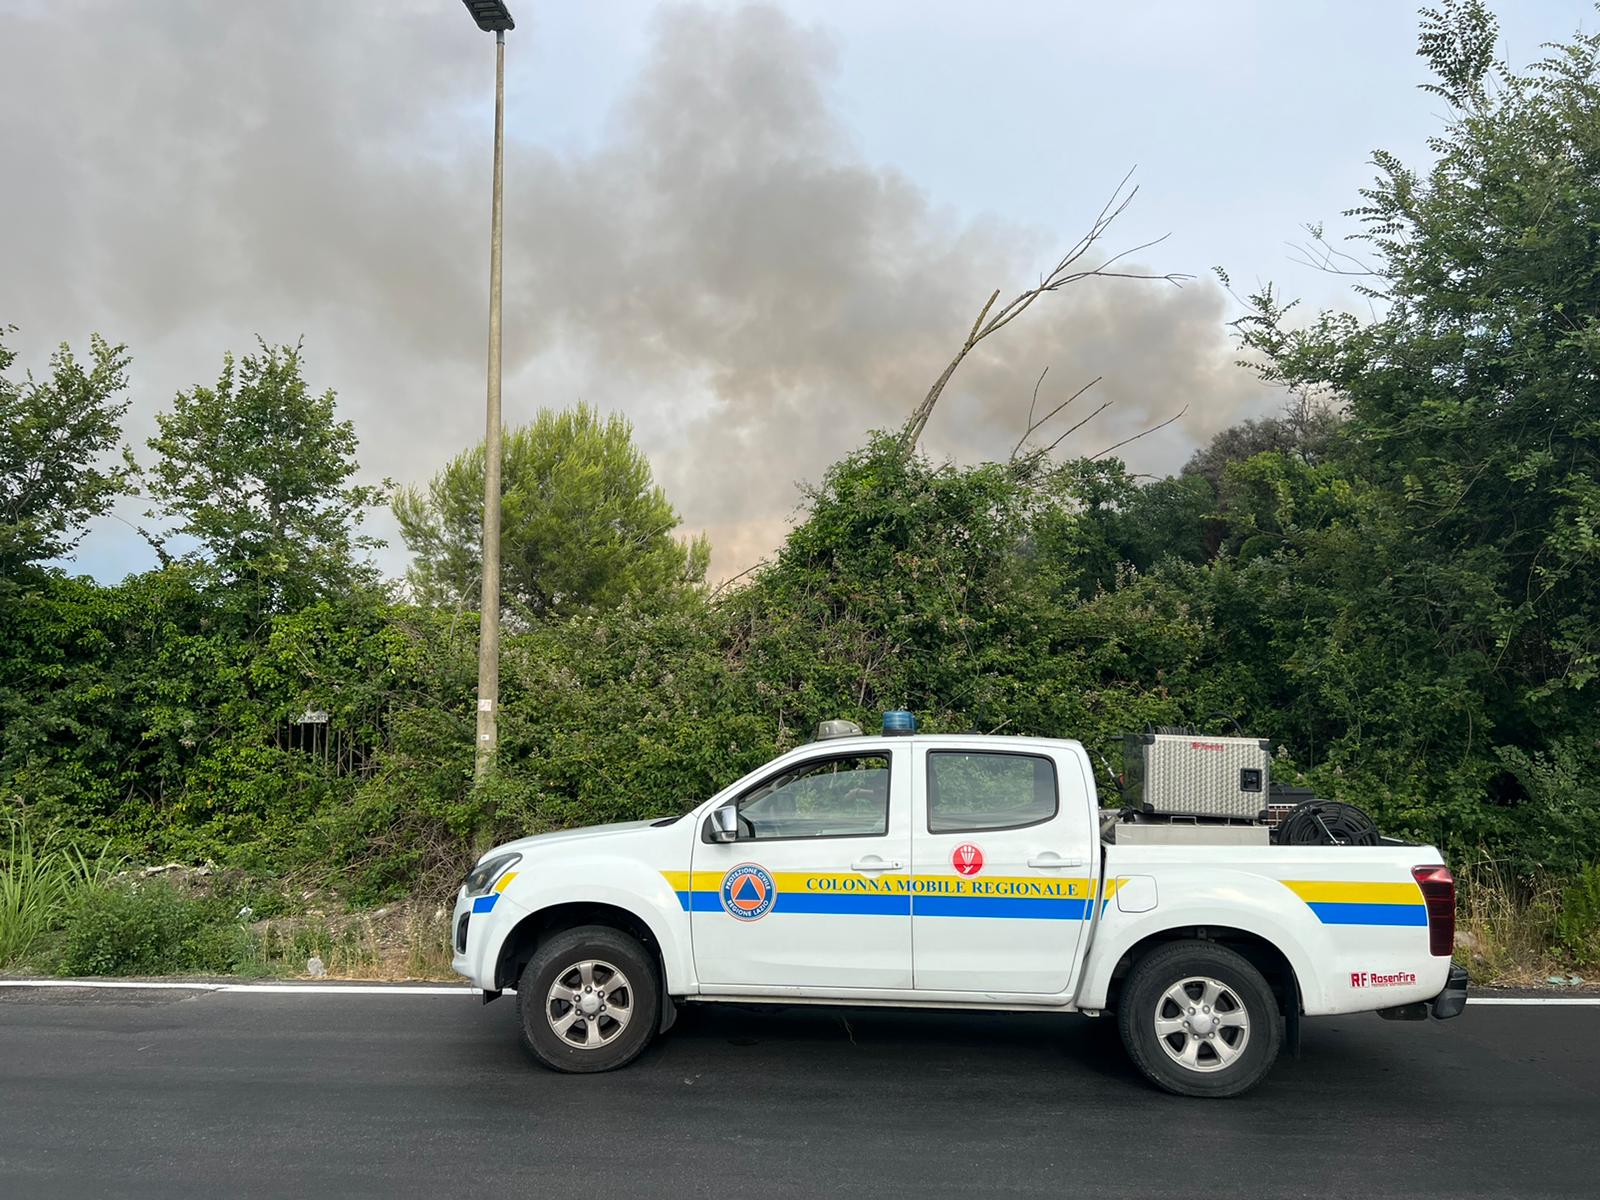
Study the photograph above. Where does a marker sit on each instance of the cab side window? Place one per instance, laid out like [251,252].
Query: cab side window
[969,792]
[846,796]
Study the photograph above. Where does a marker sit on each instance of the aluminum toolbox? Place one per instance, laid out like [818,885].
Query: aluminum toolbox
[1186,774]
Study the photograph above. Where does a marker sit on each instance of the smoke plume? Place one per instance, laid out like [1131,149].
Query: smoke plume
[722,265]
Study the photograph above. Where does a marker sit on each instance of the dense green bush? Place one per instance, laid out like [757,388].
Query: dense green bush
[985,598]
[1578,923]
[150,928]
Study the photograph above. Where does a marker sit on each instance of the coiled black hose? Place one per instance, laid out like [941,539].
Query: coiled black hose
[1327,823]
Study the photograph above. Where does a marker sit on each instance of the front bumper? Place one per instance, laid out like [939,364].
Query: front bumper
[478,927]
[466,938]
[1453,999]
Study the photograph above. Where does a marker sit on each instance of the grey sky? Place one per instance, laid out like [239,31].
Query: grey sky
[757,231]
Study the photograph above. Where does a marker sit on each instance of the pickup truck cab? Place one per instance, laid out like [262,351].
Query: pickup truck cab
[951,872]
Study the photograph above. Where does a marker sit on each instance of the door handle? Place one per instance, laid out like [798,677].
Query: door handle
[874,863]
[1051,861]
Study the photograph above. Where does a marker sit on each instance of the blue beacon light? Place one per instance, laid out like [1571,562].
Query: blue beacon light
[899,723]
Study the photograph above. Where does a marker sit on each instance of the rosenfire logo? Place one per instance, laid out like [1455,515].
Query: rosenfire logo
[1361,979]
[967,859]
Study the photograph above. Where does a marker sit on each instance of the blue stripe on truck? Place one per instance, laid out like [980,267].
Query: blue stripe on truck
[1371,914]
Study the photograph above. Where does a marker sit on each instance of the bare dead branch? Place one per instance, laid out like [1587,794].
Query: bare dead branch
[1069,269]
[1033,404]
[1074,429]
[1306,259]
[1033,425]
[1322,255]
[1142,433]
[728,583]
[919,417]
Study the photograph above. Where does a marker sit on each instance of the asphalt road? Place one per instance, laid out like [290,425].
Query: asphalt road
[182,1094]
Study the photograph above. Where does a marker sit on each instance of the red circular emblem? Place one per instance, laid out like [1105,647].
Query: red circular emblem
[967,859]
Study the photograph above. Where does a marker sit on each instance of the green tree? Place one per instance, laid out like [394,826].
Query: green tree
[1475,399]
[1450,617]
[583,524]
[1304,431]
[258,470]
[57,432]
[970,594]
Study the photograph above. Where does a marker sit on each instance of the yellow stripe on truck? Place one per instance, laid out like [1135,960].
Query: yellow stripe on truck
[1318,891]
[1345,902]
[893,894]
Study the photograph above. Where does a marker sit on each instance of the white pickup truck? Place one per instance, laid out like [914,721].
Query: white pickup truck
[951,872]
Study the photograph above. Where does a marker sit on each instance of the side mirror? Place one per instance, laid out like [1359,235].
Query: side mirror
[724,825]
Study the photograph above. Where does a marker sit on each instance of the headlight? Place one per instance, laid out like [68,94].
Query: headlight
[485,873]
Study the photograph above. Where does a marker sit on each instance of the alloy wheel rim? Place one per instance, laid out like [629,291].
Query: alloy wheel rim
[589,1004]
[1202,1024]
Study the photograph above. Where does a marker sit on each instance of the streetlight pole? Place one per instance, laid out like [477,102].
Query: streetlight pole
[492,16]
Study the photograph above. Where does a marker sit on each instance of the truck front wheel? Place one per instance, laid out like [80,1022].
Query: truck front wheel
[589,1000]
[1199,1020]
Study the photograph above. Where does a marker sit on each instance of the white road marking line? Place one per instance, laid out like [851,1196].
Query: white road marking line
[402,989]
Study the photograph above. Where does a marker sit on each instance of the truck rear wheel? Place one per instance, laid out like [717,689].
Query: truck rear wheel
[589,1000]
[1199,1020]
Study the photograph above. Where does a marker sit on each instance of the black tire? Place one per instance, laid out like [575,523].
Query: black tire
[1229,1069]
[561,957]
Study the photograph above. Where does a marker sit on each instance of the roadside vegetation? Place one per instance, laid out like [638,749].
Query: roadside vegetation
[1398,580]
[41,881]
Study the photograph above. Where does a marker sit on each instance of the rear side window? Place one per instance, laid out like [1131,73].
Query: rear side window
[969,792]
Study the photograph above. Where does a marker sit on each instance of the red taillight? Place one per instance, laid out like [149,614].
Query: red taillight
[1439,893]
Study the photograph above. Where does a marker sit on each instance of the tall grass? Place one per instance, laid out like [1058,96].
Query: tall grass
[38,880]
[416,946]
[1505,923]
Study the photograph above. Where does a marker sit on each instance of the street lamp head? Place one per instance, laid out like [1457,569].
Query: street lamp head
[491,15]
